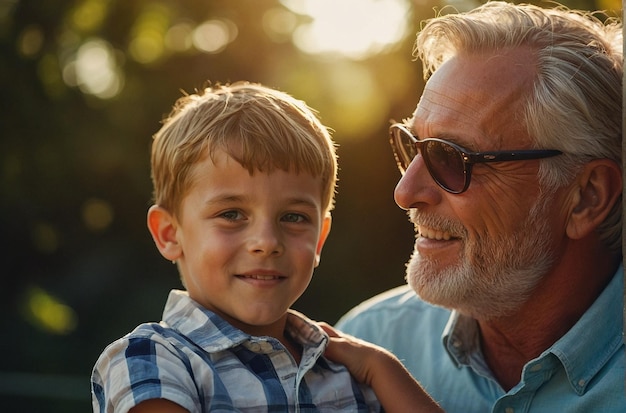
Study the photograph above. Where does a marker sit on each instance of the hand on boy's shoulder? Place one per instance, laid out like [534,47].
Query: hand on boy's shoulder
[158,406]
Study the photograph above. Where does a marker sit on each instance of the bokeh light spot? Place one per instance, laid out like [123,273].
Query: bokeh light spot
[96,70]
[178,37]
[30,41]
[147,43]
[97,214]
[89,15]
[49,313]
[213,36]
[147,47]
[279,24]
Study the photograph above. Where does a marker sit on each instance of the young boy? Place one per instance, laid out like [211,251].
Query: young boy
[244,179]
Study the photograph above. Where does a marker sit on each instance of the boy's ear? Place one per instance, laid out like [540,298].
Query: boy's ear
[324,231]
[162,226]
[598,188]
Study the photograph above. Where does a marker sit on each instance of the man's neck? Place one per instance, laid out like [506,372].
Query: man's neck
[563,296]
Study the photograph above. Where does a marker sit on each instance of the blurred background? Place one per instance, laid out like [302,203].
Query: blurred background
[85,84]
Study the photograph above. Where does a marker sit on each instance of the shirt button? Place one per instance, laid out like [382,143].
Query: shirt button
[266,346]
[509,410]
[536,367]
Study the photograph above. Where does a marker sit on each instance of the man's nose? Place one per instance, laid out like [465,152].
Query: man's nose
[416,186]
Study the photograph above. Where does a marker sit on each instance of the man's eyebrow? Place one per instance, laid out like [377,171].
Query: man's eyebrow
[469,146]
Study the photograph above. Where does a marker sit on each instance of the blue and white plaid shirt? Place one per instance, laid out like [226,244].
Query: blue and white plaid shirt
[197,360]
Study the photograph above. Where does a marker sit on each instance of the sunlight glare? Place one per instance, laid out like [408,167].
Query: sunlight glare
[353,28]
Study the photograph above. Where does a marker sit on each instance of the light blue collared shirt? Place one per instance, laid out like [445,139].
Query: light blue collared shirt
[582,372]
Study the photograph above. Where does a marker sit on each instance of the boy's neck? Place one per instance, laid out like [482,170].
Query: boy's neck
[294,348]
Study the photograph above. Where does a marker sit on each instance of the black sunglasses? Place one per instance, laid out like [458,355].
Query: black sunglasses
[449,164]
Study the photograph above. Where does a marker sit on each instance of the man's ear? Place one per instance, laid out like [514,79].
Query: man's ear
[324,231]
[597,189]
[163,226]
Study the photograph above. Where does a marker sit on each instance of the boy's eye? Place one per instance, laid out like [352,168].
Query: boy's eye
[231,215]
[293,217]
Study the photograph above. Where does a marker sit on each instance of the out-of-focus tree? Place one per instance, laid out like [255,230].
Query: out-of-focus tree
[84,85]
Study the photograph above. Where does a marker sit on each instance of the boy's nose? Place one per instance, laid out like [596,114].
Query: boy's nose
[266,240]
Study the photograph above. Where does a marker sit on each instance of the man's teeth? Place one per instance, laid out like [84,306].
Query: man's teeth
[433,234]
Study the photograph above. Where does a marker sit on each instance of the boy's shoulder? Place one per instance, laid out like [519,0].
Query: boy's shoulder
[152,361]
[145,341]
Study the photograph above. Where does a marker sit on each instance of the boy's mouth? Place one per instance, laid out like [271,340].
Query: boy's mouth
[260,277]
[260,274]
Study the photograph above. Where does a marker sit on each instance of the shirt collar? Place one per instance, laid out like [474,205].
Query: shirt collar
[602,326]
[213,333]
[460,338]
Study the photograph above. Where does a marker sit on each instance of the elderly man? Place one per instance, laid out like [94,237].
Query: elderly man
[511,174]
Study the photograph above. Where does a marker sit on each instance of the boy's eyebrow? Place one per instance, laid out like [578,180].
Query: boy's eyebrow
[227,198]
[224,198]
[310,203]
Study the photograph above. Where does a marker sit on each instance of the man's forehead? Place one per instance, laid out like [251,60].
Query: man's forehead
[478,94]
[488,73]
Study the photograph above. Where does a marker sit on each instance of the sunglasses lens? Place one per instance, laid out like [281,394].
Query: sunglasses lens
[446,165]
[404,148]
[444,161]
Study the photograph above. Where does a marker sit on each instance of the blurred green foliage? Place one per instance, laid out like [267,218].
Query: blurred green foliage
[85,84]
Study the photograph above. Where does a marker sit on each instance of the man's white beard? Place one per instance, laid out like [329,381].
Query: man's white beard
[494,276]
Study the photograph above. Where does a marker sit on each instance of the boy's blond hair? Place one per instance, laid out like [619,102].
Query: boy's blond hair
[261,128]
